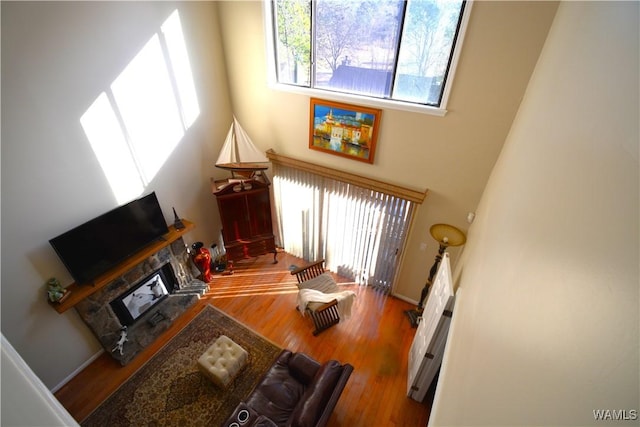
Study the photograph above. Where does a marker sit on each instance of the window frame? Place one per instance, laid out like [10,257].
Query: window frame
[272,79]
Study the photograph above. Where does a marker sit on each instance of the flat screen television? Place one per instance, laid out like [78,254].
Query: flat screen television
[100,244]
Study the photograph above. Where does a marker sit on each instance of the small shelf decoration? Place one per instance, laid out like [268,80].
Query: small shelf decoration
[344,130]
[56,292]
[177,222]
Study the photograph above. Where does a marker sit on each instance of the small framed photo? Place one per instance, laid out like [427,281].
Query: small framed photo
[345,130]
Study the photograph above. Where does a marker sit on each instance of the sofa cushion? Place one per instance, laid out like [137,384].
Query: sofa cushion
[263,421]
[303,368]
[317,395]
[278,393]
[242,415]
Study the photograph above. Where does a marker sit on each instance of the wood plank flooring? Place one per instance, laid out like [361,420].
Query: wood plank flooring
[262,295]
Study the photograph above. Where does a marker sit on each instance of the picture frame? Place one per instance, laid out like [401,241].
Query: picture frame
[345,130]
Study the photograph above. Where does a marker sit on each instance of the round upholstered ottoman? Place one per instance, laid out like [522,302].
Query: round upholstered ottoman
[222,361]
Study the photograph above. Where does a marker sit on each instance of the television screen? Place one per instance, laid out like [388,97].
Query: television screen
[98,245]
[137,301]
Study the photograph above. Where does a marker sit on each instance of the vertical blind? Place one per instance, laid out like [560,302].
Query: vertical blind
[359,232]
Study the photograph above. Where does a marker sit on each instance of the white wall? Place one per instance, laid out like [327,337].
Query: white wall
[57,57]
[25,399]
[546,324]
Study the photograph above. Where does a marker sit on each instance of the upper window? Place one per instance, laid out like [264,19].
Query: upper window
[400,50]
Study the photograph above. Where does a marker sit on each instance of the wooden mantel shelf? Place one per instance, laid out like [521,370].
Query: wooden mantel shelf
[80,292]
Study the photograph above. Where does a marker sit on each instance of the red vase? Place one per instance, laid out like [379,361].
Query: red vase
[202,259]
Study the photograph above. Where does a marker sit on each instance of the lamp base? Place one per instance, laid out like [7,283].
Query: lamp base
[413,317]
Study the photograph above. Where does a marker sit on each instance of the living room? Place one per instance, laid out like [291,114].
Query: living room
[552,255]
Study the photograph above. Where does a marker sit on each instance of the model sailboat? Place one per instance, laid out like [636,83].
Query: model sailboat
[239,155]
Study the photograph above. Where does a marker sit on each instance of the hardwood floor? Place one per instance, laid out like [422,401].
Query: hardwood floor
[262,295]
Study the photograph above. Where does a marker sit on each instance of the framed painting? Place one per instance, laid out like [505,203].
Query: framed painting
[345,130]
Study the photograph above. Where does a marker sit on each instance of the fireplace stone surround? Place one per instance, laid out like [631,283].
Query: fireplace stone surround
[97,313]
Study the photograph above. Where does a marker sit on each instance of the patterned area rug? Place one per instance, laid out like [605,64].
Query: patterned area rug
[169,389]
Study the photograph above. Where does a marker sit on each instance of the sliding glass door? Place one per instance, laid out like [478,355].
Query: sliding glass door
[359,232]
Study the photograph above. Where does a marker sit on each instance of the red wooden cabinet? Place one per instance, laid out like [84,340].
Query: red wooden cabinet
[245,212]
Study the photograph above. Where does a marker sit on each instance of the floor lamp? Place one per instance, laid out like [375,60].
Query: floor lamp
[446,235]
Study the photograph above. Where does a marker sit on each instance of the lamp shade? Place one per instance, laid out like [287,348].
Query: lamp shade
[447,235]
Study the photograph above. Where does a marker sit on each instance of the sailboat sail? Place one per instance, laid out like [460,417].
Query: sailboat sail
[239,153]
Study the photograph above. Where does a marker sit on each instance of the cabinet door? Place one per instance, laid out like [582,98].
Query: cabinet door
[259,208]
[234,217]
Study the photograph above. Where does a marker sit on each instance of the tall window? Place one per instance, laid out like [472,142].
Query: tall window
[400,50]
[360,233]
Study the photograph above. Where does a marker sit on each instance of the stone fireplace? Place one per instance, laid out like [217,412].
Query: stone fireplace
[143,302]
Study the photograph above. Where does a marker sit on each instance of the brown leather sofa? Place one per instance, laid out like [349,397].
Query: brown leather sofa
[296,391]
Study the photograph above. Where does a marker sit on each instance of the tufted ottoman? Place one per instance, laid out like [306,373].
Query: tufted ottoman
[222,361]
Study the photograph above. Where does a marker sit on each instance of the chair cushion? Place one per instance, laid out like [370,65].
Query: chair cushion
[323,283]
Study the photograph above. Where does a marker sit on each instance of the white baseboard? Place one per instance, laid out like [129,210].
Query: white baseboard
[403,298]
[77,371]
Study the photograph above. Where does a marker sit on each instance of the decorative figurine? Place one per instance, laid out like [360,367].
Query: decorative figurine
[120,344]
[229,270]
[202,259]
[217,259]
[55,291]
[177,222]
